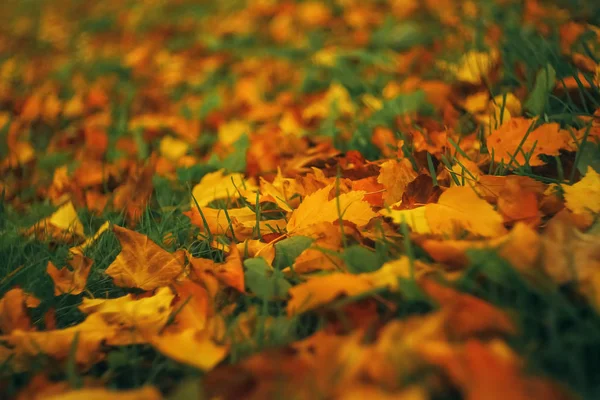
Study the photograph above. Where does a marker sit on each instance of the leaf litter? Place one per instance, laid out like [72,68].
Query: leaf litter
[299,199]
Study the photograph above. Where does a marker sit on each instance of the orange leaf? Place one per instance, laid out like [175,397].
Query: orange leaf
[67,281]
[505,142]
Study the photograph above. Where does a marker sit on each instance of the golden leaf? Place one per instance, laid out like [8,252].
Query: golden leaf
[458,209]
[192,347]
[147,315]
[583,198]
[394,176]
[317,207]
[218,185]
[142,263]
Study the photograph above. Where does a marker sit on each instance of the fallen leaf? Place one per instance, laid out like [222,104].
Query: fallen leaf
[13,311]
[395,177]
[509,141]
[458,209]
[317,207]
[70,280]
[192,347]
[583,198]
[146,316]
[142,263]
[218,185]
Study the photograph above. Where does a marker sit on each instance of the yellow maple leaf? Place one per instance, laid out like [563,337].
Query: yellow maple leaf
[317,207]
[142,263]
[147,315]
[218,185]
[192,347]
[172,148]
[66,219]
[473,67]
[583,198]
[336,96]
[458,209]
[231,131]
[70,281]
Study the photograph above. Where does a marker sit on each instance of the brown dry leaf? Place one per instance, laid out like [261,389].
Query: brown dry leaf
[419,192]
[142,263]
[191,346]
[143,393]
[13,311]
[395,176]
[317,207]
[70,281]
[133,195]
[489,371]
[506,142]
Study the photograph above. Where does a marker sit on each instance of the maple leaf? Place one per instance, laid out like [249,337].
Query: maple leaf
[458,209]
[583,198]
[142,263]
[317,207]
[218,185]
[509,141]
[72,281]
[192,347]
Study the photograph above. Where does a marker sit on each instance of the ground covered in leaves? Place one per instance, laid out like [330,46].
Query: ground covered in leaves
[264,199]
